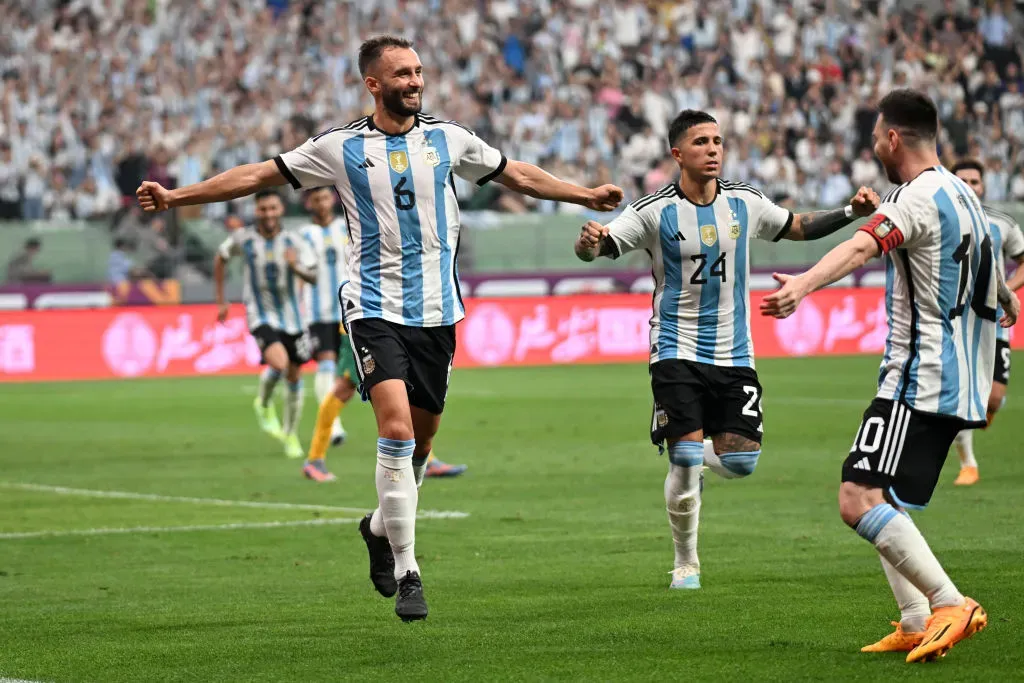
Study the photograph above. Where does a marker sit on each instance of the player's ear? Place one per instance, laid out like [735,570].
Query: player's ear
[372,84]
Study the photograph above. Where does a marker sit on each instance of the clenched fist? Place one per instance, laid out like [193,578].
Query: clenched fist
[153,196]
[865,202]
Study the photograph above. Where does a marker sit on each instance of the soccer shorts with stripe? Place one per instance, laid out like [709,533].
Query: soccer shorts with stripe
[900,451]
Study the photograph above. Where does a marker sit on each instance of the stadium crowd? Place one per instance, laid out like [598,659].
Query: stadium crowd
[98,94]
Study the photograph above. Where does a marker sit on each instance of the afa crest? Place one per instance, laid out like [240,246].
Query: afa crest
[431,156]
[708,234]
[734,230]
[399,161]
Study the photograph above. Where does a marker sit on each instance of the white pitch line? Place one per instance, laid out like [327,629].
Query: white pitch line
[53,533]
[16,680]
[129,495]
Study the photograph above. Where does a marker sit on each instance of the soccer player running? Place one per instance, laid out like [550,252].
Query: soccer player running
[275,266]
[942,290]
[697,232]
[393,170]
[1007,243]
[336,369]
[334,381]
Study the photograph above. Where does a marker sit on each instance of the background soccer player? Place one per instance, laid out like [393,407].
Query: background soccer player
[1007,243]
[702,357]
[943,287]
[393,172]
[326,237]
[275,265]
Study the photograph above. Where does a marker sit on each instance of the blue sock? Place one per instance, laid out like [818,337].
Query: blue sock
[874,520]
[741,464]
[686,453]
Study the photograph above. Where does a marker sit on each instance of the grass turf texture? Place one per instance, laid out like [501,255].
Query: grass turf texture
[560,572]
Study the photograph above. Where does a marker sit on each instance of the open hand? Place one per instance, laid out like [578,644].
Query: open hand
[865,202]
[604,198]
[1011,309]
[782,302]
[153,196]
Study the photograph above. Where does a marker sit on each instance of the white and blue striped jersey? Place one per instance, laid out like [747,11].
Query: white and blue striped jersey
[1007,245]
[402,212]
[330,244]
[270,291]
[940,297]
[701,266]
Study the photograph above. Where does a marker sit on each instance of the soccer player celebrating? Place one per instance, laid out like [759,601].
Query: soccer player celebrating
[275,265]
[702,364]
[1007,243]
[393,170]
[942,291]
[336,369]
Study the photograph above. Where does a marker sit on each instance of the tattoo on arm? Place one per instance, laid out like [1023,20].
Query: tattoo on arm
[734,443]
[818,224]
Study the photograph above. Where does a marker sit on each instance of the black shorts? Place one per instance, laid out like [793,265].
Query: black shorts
[689,396]
[420,356]
[900,451]
[296,345]
[1002,367]
[325,337]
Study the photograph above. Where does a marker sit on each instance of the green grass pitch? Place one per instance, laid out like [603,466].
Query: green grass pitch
[560,571]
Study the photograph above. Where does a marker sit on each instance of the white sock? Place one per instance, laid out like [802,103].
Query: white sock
[398,496]
[682,499]
[419,468]
[712,461]
[900,542]
[965,448]
[268,380]
[323,380]
[913,604]
[293,407]
[377,523]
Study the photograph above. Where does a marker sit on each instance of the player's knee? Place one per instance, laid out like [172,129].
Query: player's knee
[855,500]
[740,464]
[344,390]
[396,430]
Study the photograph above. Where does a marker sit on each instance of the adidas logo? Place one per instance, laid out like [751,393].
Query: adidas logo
[863,464]
[366,164]
[678,237]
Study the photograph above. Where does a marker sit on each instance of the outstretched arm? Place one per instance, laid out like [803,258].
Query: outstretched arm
[818,224]
[231,184]
[835,265]
[536,182]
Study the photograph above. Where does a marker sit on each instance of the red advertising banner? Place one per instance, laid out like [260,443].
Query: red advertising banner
[177,341]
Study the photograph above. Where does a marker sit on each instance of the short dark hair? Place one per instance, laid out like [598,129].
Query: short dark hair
[969,165]
[269,192]
[313,190]
[33,243]
[687,119]
[911,112]
[371,50]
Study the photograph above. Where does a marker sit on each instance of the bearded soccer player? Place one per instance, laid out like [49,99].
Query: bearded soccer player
[275,266]
[1007,244]
[393,171]
[336,370]
[942,291]
[697,231]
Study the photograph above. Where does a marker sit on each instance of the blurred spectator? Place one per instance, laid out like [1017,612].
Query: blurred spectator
[865,170]
[836,190]
[20,269]
[121,266]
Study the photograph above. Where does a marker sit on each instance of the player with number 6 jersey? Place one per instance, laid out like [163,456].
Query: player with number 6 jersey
[697,232]
[942,289]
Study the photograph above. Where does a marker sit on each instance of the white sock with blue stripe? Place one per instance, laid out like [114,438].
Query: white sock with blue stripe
[268,380]
[913,604]
[293,407]
[398,497]
[729,465]
[323,381]
[682,498]
[902,545]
